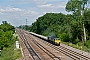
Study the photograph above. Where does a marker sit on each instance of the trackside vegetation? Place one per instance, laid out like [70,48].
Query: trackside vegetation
[68,27]
[6,34]
[7,42]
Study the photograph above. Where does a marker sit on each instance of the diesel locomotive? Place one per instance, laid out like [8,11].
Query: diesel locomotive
[54,40]
[51,39]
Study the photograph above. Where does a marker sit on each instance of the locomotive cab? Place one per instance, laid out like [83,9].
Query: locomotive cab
[57,41]
[54,40]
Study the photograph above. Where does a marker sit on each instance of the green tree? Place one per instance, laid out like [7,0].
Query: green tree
[77,7]
[6,34]
[87,22]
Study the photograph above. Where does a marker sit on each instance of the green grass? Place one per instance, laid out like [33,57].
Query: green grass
[79,46]
[10,53]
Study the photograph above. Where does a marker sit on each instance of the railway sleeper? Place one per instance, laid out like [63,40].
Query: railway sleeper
[67,54]
[75,53]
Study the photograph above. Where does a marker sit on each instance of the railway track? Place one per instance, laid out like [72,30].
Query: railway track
[53,56]
[66,51]
[72,54]
[30,49]
[46,51]
[32,52]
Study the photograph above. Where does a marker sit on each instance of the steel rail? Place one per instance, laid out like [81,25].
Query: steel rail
[46,50]
[30,49]
[74,55]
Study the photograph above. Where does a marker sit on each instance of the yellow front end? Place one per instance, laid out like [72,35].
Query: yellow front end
[57,41]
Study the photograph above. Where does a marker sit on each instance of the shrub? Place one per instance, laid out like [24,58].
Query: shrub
[87,43]
[64,37]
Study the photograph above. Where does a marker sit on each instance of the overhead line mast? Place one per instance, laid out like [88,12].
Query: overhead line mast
[26,21]
[26,25]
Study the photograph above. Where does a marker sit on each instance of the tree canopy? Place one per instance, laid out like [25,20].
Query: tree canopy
[6,33]
[76,6]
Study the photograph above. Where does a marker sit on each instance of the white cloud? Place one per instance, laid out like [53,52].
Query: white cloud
[16,11]
[40,1]
[17,16]
[60,6]
[45,6]
[9,9]
[31,1]
[52,6]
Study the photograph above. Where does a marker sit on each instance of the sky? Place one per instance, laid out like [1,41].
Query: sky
[16,12]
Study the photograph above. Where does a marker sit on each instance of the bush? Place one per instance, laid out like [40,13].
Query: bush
[64,37]
[87,43]
[75,41]
[6,34]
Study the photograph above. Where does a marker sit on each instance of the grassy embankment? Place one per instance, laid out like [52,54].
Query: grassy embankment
[11,53]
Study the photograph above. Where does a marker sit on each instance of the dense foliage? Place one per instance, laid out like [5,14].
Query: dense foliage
[68,27]
[6,34]
[63,26]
